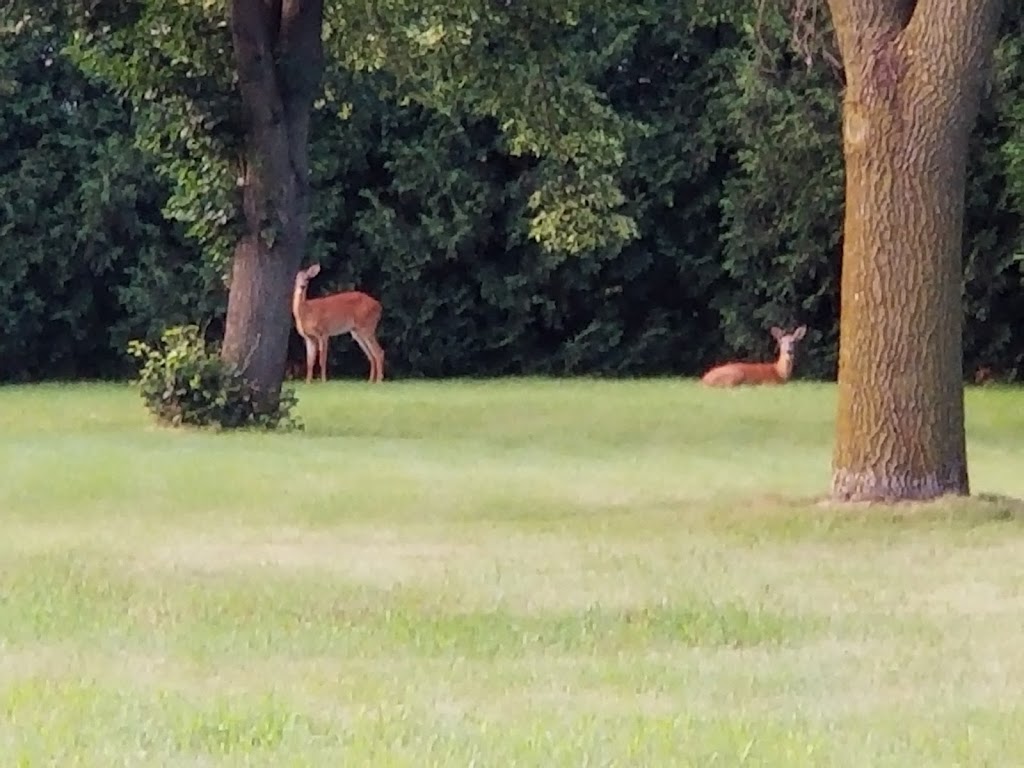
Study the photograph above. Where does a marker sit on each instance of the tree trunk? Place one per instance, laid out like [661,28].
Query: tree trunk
[279,57]
[914,72]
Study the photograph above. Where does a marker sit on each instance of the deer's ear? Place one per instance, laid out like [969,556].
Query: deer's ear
[800,332]
[313,271]
[777,333]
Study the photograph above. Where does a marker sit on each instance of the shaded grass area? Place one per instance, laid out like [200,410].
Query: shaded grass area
[529,572]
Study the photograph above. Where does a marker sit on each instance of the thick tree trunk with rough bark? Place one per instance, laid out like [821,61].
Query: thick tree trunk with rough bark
[279,56]
[914,72]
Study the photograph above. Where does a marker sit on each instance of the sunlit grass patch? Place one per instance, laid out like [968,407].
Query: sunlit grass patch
[530,572]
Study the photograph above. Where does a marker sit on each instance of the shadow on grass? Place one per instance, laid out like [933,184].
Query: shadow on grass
[793,518]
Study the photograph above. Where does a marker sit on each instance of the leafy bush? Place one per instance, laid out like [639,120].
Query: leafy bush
[184,382]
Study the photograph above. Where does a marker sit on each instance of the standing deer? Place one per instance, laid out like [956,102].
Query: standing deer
[734,374]
[352,312]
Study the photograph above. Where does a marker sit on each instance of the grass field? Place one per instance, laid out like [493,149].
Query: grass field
[515,573]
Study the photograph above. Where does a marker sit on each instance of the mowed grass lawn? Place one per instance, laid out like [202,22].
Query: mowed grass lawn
[512,573]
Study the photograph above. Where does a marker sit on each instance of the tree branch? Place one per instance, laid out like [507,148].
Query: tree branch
[939,26]
[300,70]
[254,58]
[253,44]
[300,47]
[862,25]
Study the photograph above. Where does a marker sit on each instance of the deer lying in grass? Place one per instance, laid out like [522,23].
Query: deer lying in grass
[734,374]
[352,312]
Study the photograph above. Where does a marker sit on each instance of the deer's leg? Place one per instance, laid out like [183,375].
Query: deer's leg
[378,353]
[310,357]
[323,357]
[366,351]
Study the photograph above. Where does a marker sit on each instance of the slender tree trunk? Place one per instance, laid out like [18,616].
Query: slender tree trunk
[914,72]
[279,57]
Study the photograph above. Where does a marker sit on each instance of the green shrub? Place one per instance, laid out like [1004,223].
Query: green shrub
[184,382]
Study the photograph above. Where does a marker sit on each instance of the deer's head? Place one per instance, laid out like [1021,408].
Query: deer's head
[787,341]
[303,276]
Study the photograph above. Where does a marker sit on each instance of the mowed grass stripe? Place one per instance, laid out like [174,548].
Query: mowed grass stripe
[516,572]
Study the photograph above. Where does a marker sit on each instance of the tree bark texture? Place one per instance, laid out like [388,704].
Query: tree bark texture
[279,57]
[914,74]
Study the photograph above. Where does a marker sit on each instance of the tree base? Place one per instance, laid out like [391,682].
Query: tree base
[849,486]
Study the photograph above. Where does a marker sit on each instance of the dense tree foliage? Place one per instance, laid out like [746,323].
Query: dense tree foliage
[726,148]
[89,260]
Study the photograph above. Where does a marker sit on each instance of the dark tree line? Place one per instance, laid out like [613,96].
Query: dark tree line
[733,175]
